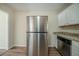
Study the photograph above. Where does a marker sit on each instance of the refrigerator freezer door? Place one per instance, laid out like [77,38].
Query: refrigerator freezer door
[42,23]
[32,24]
[37,23]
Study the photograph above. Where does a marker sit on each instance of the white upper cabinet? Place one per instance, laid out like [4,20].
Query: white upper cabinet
[62,18]
[73,14]
[70,16]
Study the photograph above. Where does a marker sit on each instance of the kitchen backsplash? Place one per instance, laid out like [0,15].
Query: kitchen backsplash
[71,29]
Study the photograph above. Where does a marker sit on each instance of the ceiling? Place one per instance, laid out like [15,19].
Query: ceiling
[38,6]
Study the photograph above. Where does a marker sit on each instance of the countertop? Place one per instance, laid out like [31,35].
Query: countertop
[68,35]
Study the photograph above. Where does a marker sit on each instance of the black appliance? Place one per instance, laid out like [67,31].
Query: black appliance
[64,46]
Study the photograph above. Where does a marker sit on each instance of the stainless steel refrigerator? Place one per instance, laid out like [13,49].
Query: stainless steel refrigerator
[37,44]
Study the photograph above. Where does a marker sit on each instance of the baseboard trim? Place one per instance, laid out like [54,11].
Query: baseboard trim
[4,48]
[26,46]
[50,46]
[10,47]
[20,46]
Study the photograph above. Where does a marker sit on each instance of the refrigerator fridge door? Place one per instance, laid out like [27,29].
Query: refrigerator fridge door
[37,23]
[32,44]
[37,44]
[42,44]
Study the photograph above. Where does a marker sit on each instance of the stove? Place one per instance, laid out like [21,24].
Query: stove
[64,46]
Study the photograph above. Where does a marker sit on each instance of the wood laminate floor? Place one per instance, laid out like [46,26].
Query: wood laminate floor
[21,51]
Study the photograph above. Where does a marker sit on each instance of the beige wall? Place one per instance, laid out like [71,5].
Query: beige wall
[20,26]
[10,30]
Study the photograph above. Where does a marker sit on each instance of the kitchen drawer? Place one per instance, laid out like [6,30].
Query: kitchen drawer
[75,48]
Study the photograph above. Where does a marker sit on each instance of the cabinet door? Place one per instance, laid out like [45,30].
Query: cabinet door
[75,48]
[73,14]
[62,19]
